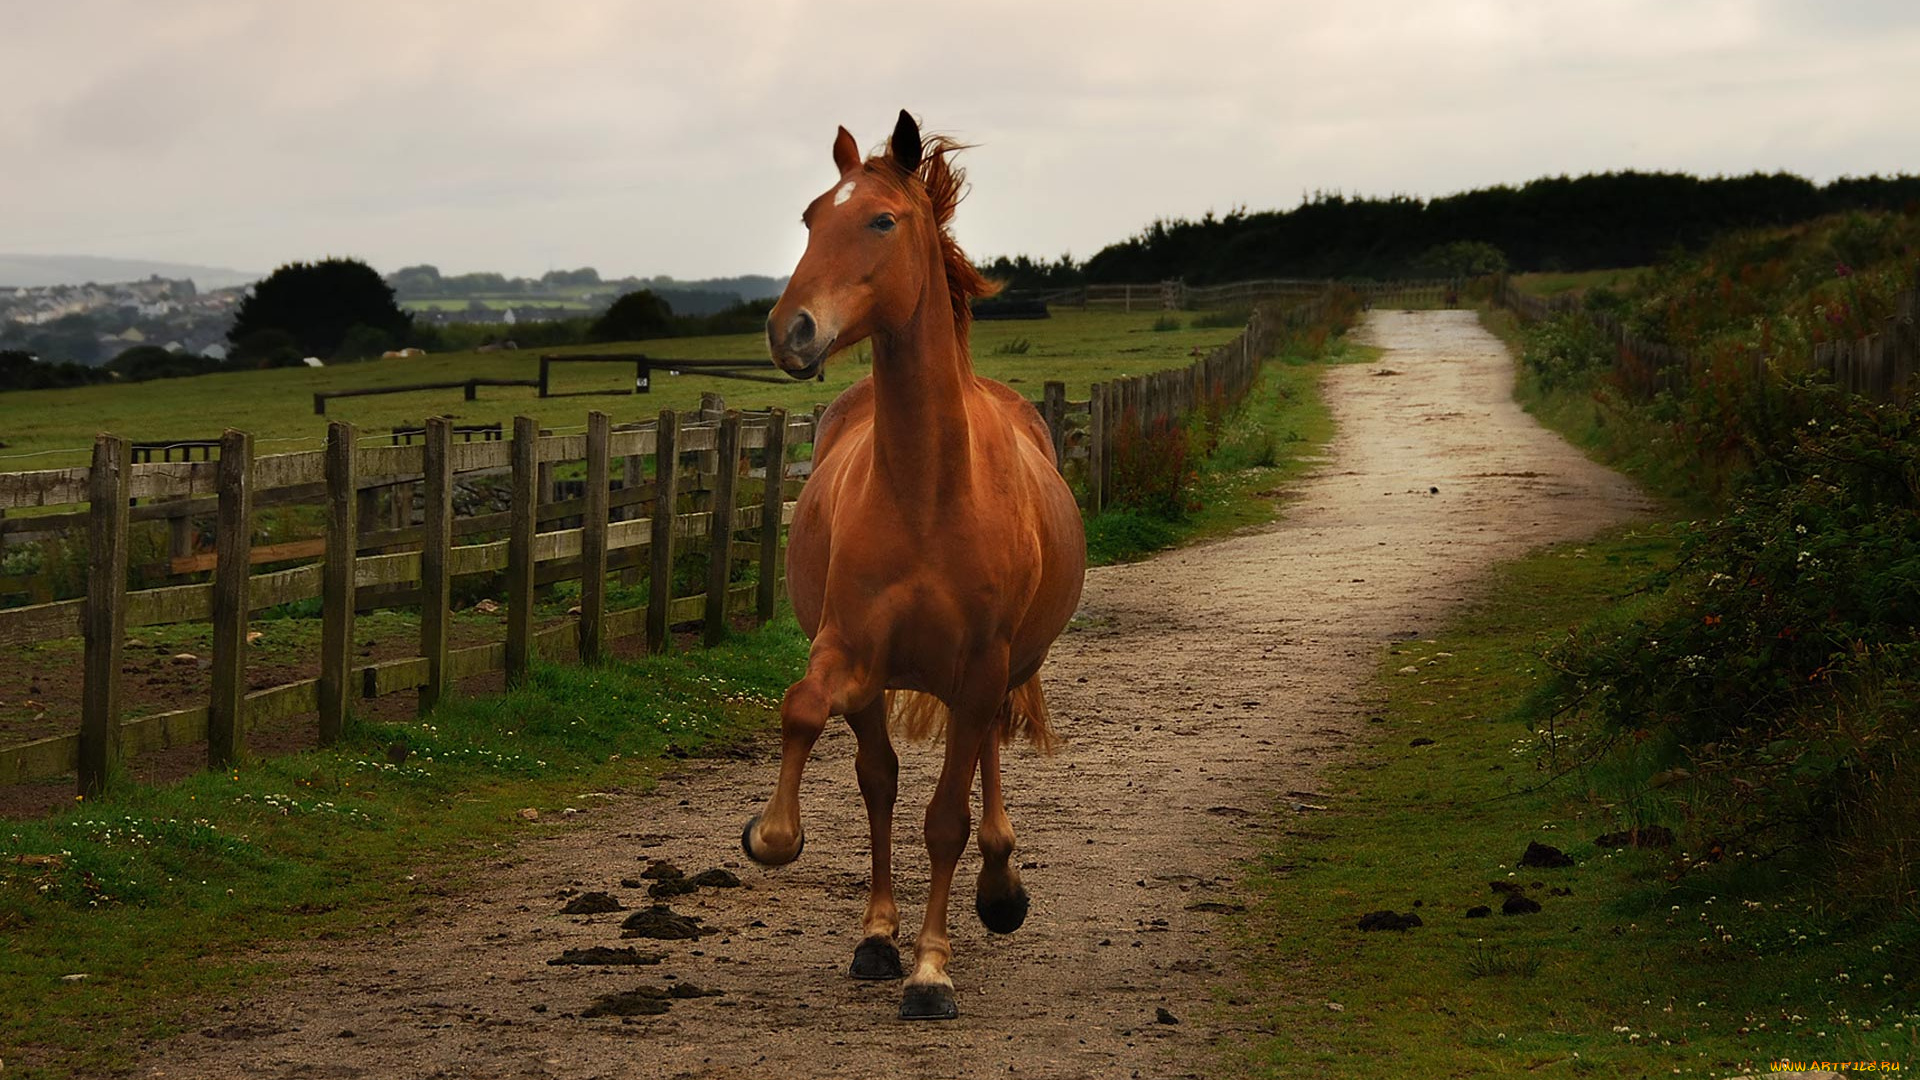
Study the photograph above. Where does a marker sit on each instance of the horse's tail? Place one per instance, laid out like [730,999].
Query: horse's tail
[918,716]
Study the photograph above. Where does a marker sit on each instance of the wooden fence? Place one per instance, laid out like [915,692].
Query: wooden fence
[1879,366]
[1140,403]
[1175,295]
[705,485]
[745,370]
[686,504]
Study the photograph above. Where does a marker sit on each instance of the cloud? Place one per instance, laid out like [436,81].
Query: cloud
[684,138]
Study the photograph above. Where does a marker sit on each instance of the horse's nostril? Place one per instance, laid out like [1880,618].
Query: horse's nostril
[803,329]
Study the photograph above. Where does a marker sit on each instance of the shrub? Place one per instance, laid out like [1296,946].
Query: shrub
[635,316]
[1772,674]
[1167,322]
[1565,351]
[1152,469]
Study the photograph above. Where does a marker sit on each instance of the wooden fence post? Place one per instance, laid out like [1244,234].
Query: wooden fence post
[1053,409]
[106,613]
[720,532]
[233,547]
[593,539]
[1096,448]
[773,505]
[1110,437]
[180,533]
[666,501]
[713,407]
[521,528]
[436,554]
[336,588]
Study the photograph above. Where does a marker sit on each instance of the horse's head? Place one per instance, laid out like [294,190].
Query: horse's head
[873,241]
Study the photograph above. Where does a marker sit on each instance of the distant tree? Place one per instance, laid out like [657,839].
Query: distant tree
[316,304]
[74,338]
[586,275]
[144,362]
[636,315]
[21,370]
[472,284]
[421,280]
[1462,258]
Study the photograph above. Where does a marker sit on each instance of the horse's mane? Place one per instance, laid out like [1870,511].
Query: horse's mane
[946,185]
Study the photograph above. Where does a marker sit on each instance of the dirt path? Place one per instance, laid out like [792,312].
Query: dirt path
[1196,690]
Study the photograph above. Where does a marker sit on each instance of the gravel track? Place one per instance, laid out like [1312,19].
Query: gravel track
[1196,690]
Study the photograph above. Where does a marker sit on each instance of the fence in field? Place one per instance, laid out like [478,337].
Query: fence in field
[1879,366]
[392,538]
[1179,296]
[534,543]
[1138,404]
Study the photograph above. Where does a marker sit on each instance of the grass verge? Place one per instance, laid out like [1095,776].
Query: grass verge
[1630,969]
[160,897]
[1617,438]
[1268,442]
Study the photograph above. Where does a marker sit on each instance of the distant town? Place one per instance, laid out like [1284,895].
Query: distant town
[92,323]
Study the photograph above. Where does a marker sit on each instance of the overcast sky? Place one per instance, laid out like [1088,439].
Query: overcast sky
[685,138]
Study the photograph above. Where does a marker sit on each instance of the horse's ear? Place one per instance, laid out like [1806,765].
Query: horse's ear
[906,143]
[846,152]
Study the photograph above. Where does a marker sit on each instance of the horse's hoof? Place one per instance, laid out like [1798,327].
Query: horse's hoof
[746,845]
[932,1002]
[1002,914]
[876,958]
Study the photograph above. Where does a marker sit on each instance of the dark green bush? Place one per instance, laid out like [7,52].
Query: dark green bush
[1775,666]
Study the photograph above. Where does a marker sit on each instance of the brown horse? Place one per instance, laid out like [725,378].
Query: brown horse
[935,550]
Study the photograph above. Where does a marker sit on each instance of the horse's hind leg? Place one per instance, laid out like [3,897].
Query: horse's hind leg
[999,898]
[878,768]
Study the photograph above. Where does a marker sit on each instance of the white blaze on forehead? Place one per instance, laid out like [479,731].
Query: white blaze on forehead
[845,193]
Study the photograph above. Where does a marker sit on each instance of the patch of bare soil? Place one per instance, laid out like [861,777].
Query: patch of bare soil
[1196,690]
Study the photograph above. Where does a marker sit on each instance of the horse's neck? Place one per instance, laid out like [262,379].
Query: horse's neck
[922,377]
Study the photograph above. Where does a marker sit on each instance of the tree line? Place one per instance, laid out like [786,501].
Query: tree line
[342,311]
[1554,223]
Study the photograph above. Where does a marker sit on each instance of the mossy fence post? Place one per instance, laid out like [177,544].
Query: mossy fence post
[436,556]
[726,478]
[522,524]
[593,539]
[337,581]
[666,497]
[233,552]
[106,610]
[773,505]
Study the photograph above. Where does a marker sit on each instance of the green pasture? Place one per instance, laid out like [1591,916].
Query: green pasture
[44,429]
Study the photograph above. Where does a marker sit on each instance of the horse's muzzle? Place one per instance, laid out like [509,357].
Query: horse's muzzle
[796,345]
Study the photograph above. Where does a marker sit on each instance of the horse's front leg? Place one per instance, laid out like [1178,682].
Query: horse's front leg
[774,836]
[878,768]
[929,991]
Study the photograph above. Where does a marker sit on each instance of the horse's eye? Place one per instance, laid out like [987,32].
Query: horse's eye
[883,223]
